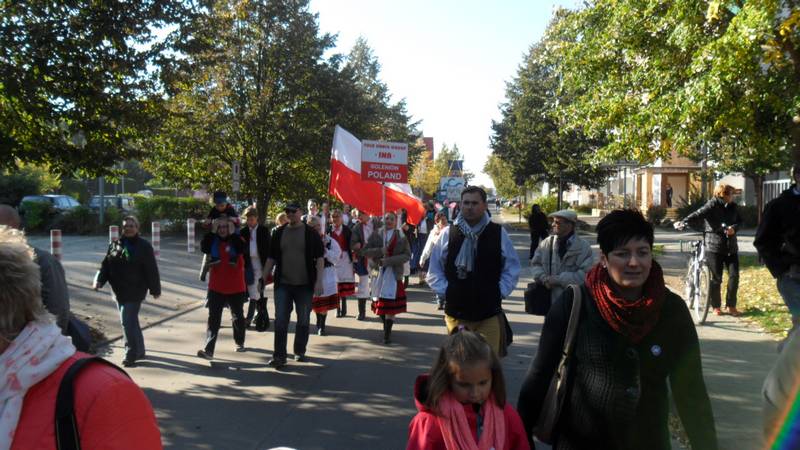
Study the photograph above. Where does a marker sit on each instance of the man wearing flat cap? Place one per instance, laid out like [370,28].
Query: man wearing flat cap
[562,258]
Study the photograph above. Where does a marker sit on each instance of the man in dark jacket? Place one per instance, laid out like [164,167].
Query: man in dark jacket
[55,294]
[256,237]
[296,252]
[131,269]
[778,244]
[721,222]
[538,227]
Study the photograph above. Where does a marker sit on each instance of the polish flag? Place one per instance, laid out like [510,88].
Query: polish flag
[347,186]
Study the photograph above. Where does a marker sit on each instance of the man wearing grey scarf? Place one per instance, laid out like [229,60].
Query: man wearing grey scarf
[465,261]
[474,266]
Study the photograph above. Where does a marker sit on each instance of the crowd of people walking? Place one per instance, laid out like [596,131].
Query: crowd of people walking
[616,348]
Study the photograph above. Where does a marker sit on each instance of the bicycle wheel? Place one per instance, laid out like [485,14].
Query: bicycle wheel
[688,286]
[703,305]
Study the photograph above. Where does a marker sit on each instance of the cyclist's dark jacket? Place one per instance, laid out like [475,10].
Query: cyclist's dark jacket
[778,235]
[714,214]
[618,396]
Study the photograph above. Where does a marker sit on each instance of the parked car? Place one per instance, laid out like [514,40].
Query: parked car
[122,202]
[59,203]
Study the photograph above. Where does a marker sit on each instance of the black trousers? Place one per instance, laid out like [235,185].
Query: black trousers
[534,245]
[216,303]
[716,263]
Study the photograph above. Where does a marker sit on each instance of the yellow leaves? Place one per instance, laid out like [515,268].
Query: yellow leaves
[790,25]
[712,13]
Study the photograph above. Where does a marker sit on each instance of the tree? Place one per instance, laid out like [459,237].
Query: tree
[502,176]
[78,80]
[256,88]
[716,80]
[424,178]
[532,139]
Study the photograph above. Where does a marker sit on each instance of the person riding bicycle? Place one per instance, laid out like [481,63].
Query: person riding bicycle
[721,221]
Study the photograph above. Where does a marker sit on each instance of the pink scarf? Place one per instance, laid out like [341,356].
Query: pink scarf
[457,433]
[33,355]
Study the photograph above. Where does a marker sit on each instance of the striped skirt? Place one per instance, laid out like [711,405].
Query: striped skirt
[391,307]
[346,289]
[324,304]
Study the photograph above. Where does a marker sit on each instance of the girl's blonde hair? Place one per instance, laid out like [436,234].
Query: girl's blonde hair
[281,218]
[462,349]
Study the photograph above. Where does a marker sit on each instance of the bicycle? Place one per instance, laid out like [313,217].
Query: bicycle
[697,280]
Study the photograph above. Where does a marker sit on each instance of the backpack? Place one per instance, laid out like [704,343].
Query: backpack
[67,436]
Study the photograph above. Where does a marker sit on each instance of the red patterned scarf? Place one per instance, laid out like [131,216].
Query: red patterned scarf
[633,319]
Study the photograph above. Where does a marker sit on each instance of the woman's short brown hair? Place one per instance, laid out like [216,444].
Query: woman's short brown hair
[721,189]
[251,211]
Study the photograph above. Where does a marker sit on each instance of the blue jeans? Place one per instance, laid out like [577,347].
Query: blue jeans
[131,331]
[286,297]
[789,289]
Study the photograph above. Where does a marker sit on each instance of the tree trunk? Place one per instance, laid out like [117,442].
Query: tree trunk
[758,187]
[560,193]
[262,201]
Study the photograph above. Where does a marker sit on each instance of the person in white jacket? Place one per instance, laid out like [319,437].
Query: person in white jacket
[329,298]
[440,223]
[562,258]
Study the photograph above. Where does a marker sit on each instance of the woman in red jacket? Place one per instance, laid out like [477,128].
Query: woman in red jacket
[111,412]
[462,403]
[227,284]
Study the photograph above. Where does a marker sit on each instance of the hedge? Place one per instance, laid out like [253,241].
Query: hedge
[172,212]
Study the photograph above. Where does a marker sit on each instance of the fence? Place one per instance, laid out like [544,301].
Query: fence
[773,188]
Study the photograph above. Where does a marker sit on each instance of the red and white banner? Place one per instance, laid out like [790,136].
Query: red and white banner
[384,161]
[347,186]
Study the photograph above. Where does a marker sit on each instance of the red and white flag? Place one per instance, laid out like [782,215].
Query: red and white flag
[347,186]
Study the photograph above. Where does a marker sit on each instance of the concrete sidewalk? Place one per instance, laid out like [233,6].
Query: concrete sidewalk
[354,393]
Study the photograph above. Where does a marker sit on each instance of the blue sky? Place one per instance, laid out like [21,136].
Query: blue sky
[449,59]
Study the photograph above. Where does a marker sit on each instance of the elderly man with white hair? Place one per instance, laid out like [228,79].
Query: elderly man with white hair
[563,258]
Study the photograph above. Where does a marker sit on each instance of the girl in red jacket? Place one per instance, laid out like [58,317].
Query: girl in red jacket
[462,403]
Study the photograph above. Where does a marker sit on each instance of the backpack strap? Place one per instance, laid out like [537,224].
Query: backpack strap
[67,436]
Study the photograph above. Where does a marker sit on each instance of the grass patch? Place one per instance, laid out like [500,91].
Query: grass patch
[758,297]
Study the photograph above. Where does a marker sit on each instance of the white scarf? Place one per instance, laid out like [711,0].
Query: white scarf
[36,353]
[465,261]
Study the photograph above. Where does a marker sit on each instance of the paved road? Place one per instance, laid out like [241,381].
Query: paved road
[355,392]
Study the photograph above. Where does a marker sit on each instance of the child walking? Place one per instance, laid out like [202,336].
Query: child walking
[462,403]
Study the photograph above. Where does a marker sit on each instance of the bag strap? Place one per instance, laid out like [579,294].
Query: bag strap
[67,436]
[572,326]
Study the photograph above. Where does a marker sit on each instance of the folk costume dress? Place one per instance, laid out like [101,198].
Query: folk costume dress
[330,298]
[345,275]
[388,291]
[362,234]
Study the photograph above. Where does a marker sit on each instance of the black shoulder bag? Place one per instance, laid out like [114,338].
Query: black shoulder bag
[537,295]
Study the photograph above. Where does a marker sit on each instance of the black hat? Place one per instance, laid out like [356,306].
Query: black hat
[291,206]
[220,197]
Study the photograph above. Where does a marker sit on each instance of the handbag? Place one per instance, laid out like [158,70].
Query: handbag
[556,393]
[538,297]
